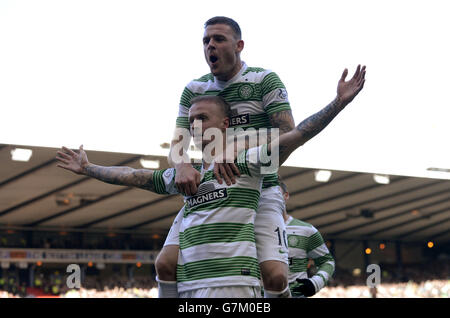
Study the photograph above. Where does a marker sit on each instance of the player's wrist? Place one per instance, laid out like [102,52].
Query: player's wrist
[84,168]
[182,165]
[339,102]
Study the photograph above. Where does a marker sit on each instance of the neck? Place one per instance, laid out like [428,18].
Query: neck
[226,77]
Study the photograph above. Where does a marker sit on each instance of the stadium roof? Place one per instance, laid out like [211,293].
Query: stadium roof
[36,195]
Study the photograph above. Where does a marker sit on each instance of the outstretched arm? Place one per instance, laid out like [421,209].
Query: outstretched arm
[314,124]
[78,163]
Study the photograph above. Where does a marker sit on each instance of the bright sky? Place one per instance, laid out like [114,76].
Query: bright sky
[109,74]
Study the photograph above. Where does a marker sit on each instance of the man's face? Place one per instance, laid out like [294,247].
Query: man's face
[285,195]
[222,50]
[206,114]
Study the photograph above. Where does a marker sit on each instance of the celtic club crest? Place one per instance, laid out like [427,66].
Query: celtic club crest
[293,241]
[245,91]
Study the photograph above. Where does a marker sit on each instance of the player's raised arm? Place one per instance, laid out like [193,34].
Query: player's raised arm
[311,126]
[187,178]
[77,162]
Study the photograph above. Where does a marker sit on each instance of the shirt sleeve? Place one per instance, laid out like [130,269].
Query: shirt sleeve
[275,96]
[252,161]
[324,261]
[164,181]
[183,108]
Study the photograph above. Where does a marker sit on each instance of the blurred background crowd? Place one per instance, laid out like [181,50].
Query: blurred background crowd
[430,280]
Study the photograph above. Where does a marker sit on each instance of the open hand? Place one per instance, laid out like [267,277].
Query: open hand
[346,91]
[71,160]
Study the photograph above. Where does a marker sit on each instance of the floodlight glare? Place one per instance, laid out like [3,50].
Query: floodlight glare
[20,154]
[322,175]
[383,179]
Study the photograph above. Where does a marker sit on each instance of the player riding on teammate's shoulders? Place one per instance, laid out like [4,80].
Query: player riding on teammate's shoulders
[227,235]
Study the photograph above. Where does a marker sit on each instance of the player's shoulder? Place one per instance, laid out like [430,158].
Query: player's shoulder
[297,222]
[202,79]
[266,78]
[256,70]
[256,74]
[200,84]
[305,226]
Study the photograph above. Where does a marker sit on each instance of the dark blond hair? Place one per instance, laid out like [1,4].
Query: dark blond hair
[218,100]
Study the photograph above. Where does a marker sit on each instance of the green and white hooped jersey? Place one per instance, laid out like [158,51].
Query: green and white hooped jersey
[217,238]
[253,94]
[305,242]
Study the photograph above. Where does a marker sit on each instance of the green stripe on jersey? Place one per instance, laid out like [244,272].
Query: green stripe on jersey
[297,241]
[183,122]
[253,70]
[327,268]
[296,222]
[238,92]
[186,97]
[307,243]
[243,168]
[257,121]
[218,267]
[241,162]
[217,233]
[158,181]
[314,241]
[277,107]
[271,82]
[209,175]
[298,265]
[270,180]
[236,197]
[323,259]
[206,78]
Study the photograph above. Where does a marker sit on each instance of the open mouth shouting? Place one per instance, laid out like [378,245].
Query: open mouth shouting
[213,60]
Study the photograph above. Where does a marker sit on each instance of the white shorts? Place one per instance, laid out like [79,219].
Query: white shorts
[223,292]
[270,229]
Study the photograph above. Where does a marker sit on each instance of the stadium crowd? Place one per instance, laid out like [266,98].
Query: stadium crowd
[427,289]
[430,280]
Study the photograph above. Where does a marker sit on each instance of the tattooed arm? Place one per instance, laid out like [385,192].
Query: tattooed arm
[140,178]
[314,124]
[78,163]
[283,120]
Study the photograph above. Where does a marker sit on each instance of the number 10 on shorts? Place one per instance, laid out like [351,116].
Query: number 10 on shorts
[281,241]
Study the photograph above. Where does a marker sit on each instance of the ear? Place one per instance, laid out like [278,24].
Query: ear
[226,122]
[239,46]
[286,196]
